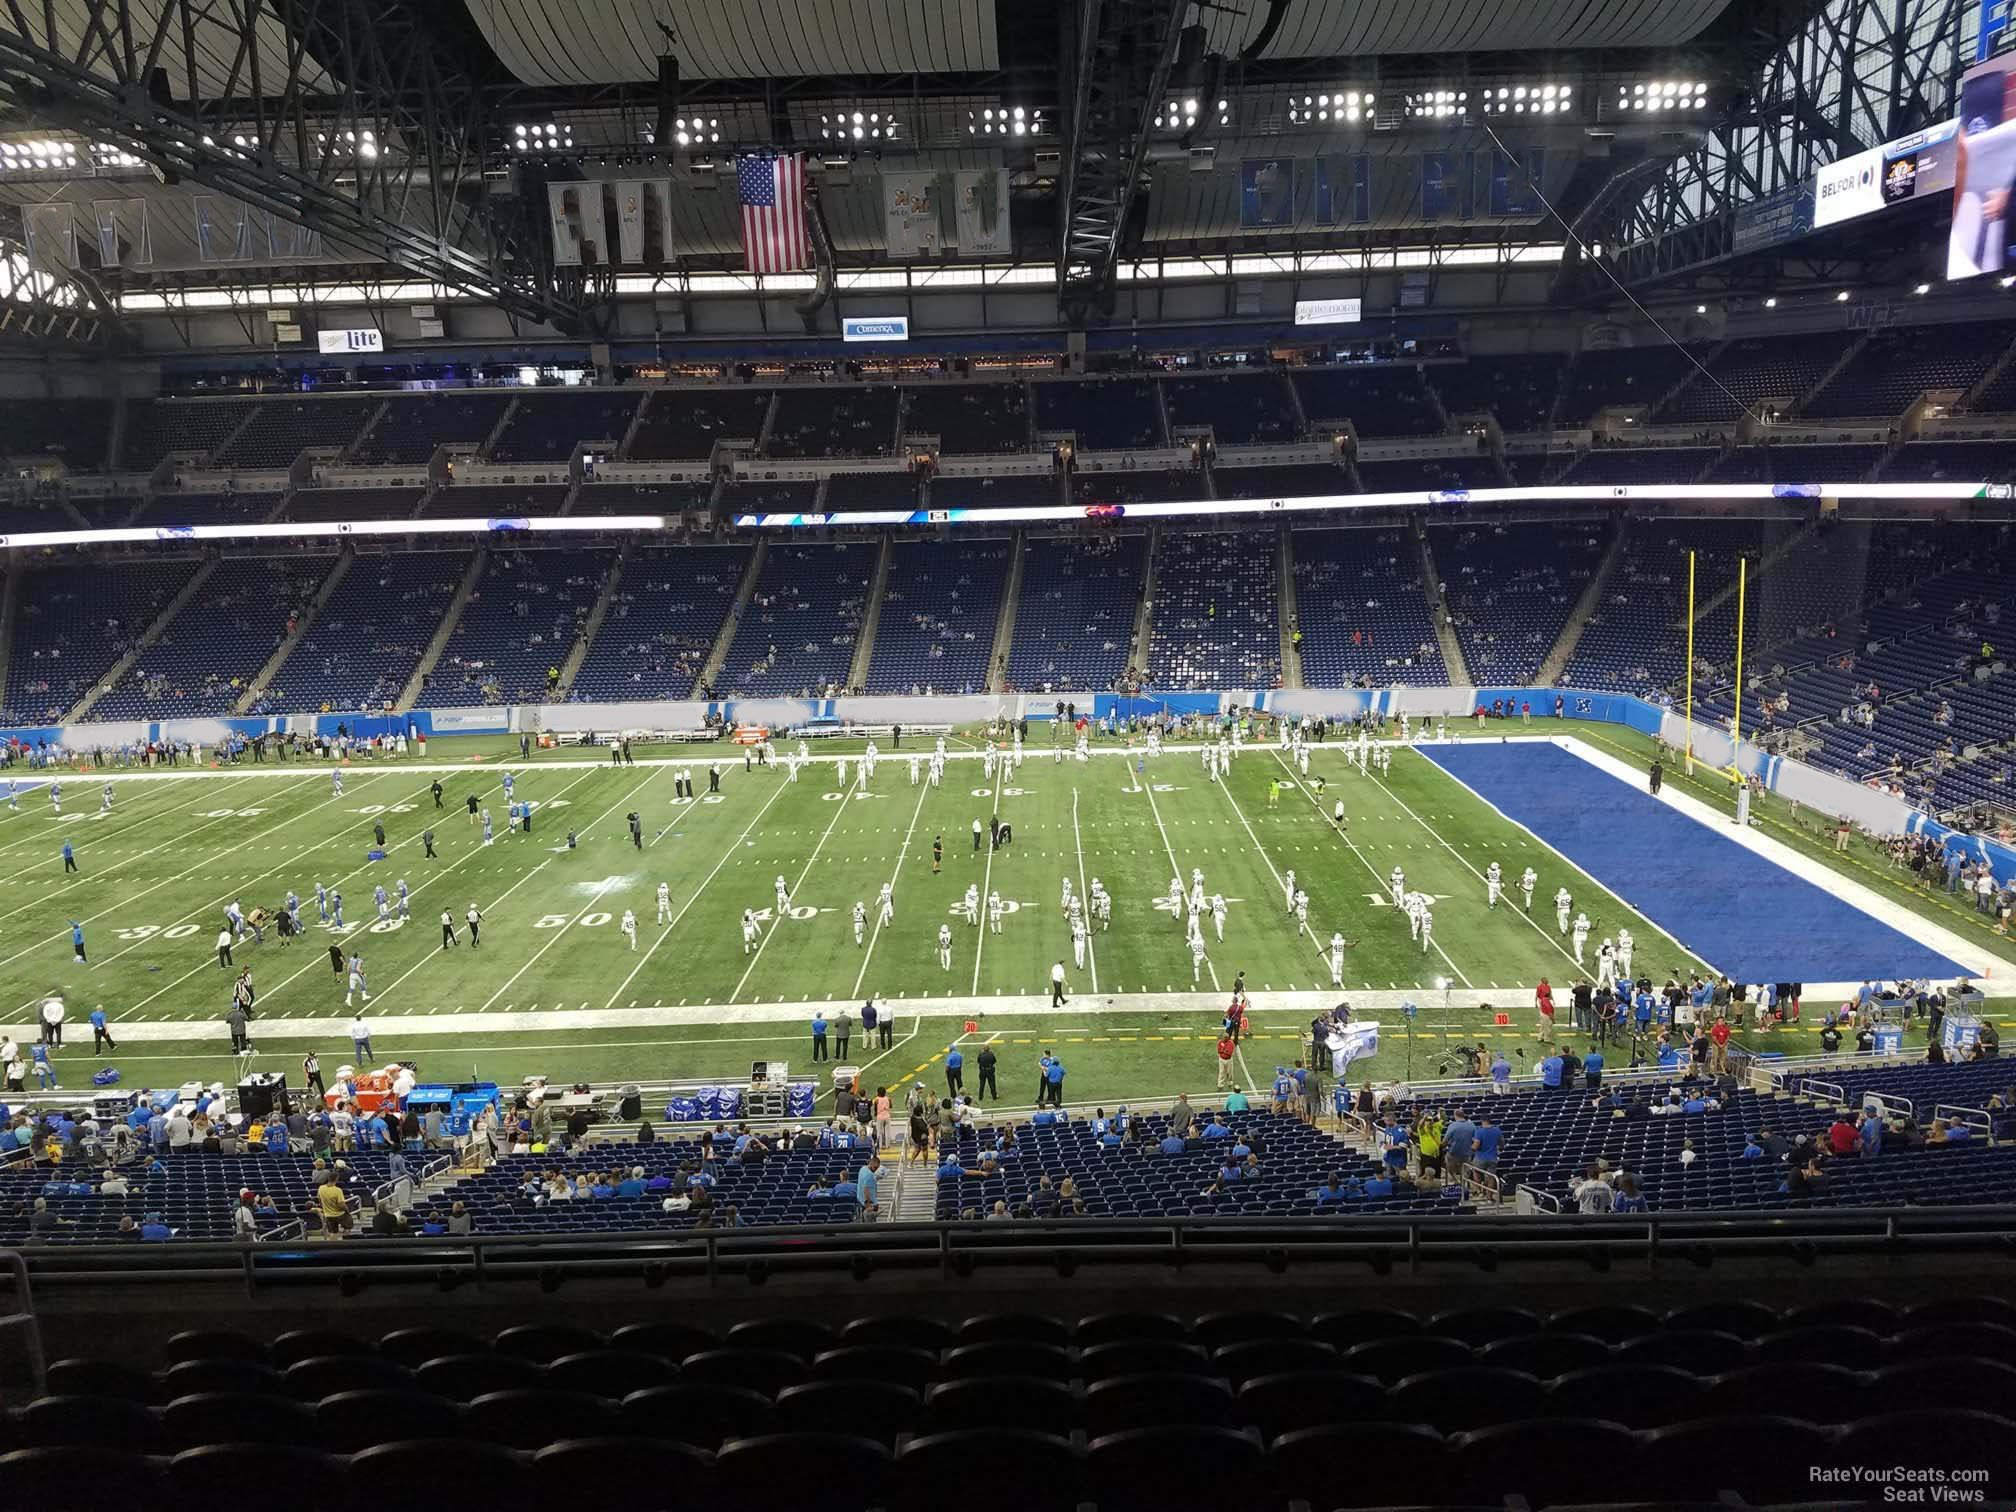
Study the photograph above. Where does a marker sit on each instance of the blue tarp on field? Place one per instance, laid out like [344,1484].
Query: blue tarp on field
[1738,911]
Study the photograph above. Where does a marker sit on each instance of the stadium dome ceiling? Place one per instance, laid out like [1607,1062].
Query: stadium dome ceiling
[576,42]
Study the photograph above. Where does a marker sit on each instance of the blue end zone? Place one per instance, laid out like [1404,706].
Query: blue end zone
[1730,906]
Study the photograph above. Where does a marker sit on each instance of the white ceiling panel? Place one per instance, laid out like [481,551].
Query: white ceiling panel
[550,42]
[1360,28]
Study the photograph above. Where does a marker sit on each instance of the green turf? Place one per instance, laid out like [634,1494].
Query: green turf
[157,872]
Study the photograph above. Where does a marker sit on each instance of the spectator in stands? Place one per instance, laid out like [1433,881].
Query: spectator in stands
[1593,1194]
[1844,1140]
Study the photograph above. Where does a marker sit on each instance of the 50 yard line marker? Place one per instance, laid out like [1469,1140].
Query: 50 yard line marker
[859,781]
[1091,954]
[666,933]
[923,792]
[987,871]
[1177,867]
[587,907]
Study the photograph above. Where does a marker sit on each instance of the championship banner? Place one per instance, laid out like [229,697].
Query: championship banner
[50,232]
[980,200]
[125,237]
[911,211]
[578,233]
[643,220]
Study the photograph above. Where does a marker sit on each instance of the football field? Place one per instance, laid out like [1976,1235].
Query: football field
[555,985]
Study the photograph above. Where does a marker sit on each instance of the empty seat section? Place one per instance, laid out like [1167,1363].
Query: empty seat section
[1242,410]
[834,422]
[1117,487]
[1518,391]
[1640,464]
[480,501]
[1887,375]
[669,606]
[155,428]
[1288,480]
[1953,462]
[334,505]
[1744,374]
[797,635]
[73,623]
[689,496]
[871,490]
[527,609]
[939,614]
[1511,588]
[205,509]
[768,496]
[1623,378]
[1360,607]
[367,640]
[277,434]
[549,424]
[1217,618]
[1378,401]
[1431,474]
[212,649]
[412,429]
[75,430]
[969,417]
[1074,619]
[1106,414]
[682,425]
[1000,491]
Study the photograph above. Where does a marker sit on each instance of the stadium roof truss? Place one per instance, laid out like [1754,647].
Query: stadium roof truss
[41,311]
[1855,74]
[342,117]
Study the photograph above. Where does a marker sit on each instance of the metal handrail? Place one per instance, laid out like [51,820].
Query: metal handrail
[1381,1240]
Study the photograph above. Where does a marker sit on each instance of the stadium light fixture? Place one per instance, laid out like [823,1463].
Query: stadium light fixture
[1923,288]
[546,136]
[1341,107]
[1771,303]
[1663,95]
[1700,309]
[1439,103]
[1528,99]
[855,126]
[695,131]
[1841,297]
[2008,281]
[1007,121]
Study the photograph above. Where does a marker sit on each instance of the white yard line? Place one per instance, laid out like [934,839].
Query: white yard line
[585,909]
[1176,867]
[895,875]
[1322,958]
[811,860]
[96,837]
[666,933]
[1295,781]
[1091,951]
[123,903]
[435,954]
[99,865]
[431,877]
[209,963]
[987,871]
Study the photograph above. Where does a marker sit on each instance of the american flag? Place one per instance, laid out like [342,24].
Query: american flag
[774,239]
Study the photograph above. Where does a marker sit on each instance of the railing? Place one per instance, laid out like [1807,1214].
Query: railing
[1977,1119]
[1532,1199]
[1889,1104]
[426,1171]
[1834,1091]
[958,1249]
[293,1228]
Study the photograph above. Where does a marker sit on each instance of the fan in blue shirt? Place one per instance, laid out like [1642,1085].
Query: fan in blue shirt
[1171,1145]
